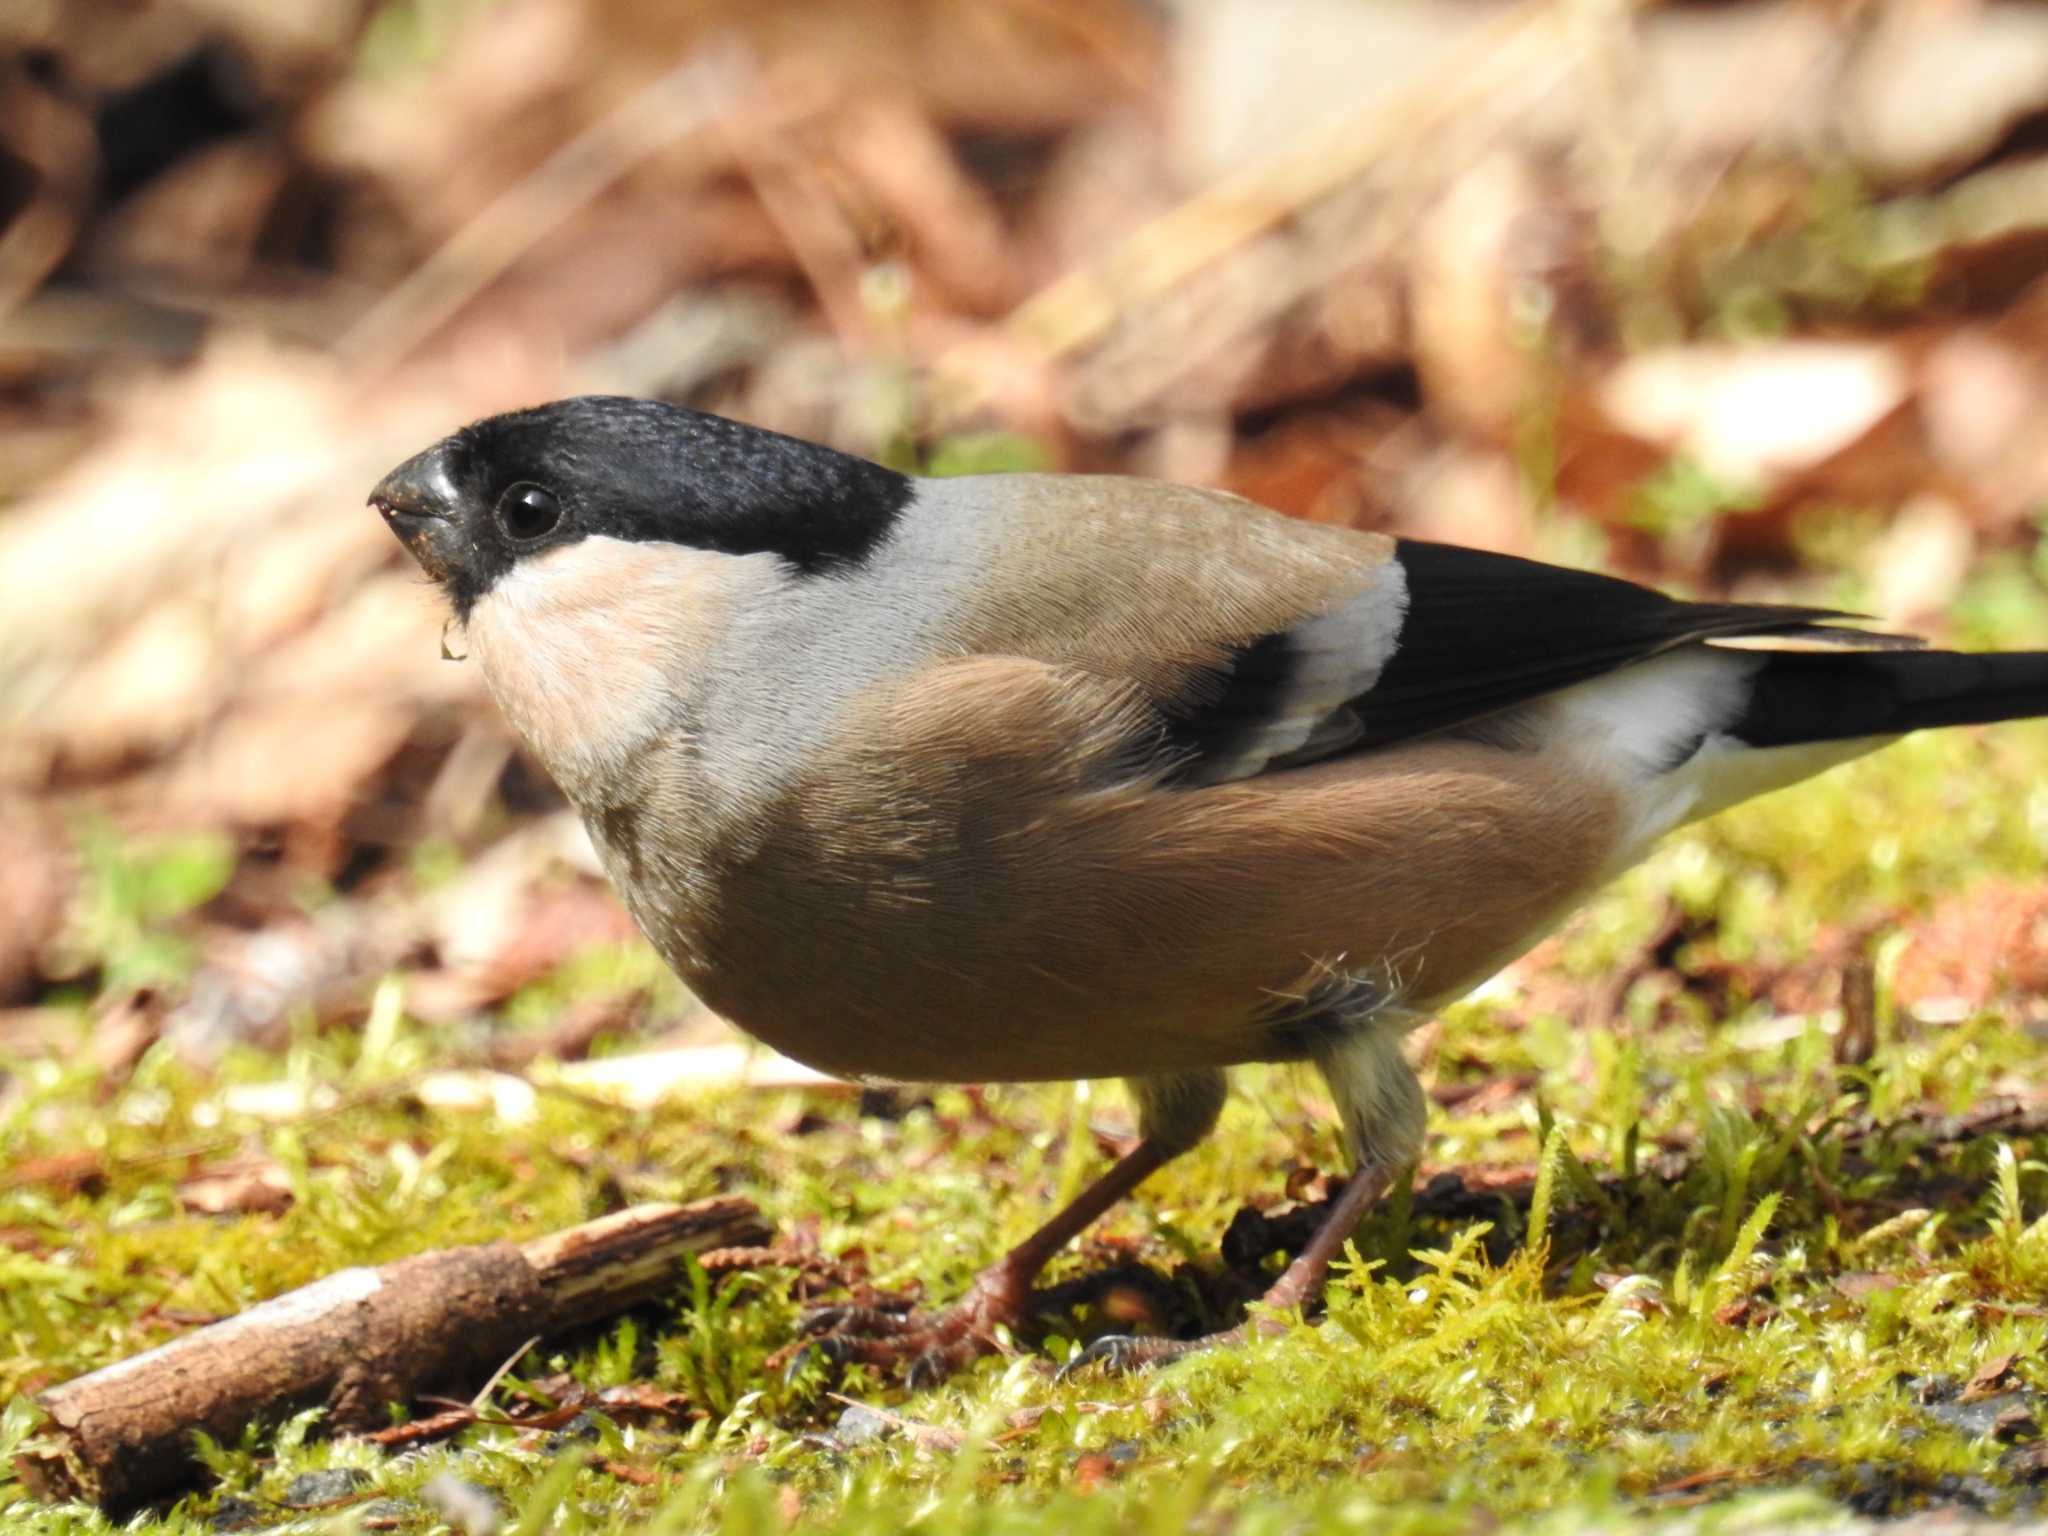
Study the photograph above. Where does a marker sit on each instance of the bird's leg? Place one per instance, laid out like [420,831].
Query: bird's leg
[933,1345]
[1303,1279]
[1383,1111]
[1300,1282]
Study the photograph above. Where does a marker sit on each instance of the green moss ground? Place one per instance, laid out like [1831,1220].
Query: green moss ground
[1681,1355]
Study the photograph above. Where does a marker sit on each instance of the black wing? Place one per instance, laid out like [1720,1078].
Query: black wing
[1476,633]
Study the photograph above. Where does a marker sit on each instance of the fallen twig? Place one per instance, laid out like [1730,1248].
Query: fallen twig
[358,1341]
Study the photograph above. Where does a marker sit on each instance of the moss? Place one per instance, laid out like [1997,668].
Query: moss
[1779,1330]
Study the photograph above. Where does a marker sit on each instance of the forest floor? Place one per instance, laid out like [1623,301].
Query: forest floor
[1732,1219]
[1734,1214]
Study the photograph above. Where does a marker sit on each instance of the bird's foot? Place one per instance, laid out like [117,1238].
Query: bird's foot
[926,1347]
[1121,1354]
[1299,1284]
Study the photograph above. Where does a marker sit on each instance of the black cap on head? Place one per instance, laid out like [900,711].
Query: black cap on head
[475,504]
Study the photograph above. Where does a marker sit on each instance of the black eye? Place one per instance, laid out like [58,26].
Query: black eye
[528,511]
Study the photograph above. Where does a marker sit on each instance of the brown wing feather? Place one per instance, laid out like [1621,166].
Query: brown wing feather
[1265,642]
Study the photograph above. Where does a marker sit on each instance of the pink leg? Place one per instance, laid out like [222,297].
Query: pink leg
[1311,1267]
[1300,1281]
[935,1345]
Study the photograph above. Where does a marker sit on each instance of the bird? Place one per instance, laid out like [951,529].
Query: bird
[1036,777]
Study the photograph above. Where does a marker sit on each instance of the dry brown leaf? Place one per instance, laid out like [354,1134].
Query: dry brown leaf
[910,174]
[511,1099]
[647,1078]
[53,138]
[124,1029]
[1990,1378]
[260,1188]
[1477,261]
[81,1172]
[38,872]
[286,761]
[200,222]
[1977,390]
[1922,561]
[1485,1097]
[570,1037]
[2015,1423]
[1991,933]
[647,1400]
[1744,1312]
[1751,416]
[1094,1469]
[1936,86]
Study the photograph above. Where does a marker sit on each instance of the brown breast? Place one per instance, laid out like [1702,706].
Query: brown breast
[957,895]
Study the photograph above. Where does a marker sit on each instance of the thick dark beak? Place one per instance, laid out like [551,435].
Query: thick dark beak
[418,500]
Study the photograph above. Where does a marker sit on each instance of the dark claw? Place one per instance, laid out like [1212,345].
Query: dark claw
[1122,1353]
[928,1351]
[927,1346]
[931,1369]
[801,1358]
[838,1351]
[1113,1352]
[875,1322]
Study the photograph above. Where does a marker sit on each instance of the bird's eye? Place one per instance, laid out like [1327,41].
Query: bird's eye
[528,511]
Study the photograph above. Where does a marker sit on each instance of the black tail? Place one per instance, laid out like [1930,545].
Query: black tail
[1837,695]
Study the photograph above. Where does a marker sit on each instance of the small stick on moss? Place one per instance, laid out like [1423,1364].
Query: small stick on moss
[358,1341]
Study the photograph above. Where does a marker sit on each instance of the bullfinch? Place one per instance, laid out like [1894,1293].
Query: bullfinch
[1026,777]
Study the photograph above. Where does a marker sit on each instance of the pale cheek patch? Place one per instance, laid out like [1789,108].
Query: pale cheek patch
[585,647]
